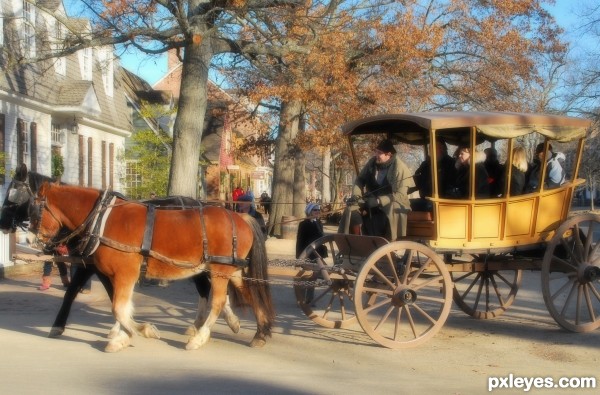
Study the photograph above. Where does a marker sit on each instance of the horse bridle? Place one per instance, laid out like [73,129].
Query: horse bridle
[35,226]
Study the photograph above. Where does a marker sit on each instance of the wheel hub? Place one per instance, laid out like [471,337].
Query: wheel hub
[404,297]
[590,273]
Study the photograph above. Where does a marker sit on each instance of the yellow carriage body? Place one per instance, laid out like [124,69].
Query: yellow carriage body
[475,224]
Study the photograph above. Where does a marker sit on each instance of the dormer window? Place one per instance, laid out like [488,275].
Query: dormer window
[105,58]
[86,64]
[60,64]
[28,29]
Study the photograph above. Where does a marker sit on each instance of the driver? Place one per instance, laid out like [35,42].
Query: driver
[384,183]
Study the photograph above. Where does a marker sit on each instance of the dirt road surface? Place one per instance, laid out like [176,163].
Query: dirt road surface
[301,358]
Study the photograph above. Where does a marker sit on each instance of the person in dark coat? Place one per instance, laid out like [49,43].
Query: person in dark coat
[495,172]
[482,186]
[309,230]
[245,205]
[446,173]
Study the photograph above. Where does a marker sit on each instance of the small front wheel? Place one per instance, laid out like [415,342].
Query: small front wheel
[403,294]
[328,305]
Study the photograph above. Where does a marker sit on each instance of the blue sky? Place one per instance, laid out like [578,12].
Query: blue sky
[154,68]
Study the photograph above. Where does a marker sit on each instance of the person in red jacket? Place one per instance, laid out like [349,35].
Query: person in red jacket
[237,193]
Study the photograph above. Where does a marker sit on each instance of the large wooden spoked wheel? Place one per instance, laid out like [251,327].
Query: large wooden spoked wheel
[571,274]
[330,306]
[403,294]
[486,294]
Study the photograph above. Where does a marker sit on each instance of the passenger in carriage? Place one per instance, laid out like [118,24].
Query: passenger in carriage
[555,174]
[463,166]
[384,183]
[446,176]
[518,171]
[495,172]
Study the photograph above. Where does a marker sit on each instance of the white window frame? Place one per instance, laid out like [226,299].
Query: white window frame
[29,49]
[133,177]
[57,135]
[60,64]
[1,28]
[86,64]
[105,58]
[26,142]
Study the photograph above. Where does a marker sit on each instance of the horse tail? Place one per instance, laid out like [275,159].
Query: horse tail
[256,280]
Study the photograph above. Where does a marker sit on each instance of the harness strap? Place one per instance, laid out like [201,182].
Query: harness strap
[199,266]
[221,259]
[96,227]
[148,231]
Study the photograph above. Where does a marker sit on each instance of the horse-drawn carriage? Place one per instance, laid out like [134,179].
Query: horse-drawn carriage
[472,249]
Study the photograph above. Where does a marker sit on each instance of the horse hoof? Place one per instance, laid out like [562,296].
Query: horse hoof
[117,344]
[258,343]
[194,344]
[191,331]
[234,326]
[150,331]
[56,331]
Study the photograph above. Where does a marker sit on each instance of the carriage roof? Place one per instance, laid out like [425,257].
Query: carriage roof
[413,128]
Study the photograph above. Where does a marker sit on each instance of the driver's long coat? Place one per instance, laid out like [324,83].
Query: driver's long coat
[395,205]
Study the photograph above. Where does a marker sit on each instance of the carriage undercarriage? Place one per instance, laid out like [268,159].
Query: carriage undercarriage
[401,292]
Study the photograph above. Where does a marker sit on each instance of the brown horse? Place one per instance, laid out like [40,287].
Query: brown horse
[175,244]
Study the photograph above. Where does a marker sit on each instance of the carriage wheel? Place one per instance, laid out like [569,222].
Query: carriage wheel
[403,294]
[330,306]
[571,274]
[486,294]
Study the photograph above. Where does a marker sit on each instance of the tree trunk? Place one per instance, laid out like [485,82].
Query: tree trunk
[300,175]
[189,123]
[283,173]
[326,185]
[299,184]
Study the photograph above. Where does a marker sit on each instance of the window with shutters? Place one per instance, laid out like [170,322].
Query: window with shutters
[25,146]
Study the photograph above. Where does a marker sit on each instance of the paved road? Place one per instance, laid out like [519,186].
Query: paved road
[301,358]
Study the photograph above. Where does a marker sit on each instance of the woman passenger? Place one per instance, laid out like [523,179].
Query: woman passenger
[518,171]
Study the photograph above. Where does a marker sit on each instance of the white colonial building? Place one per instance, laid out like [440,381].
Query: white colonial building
[71,108]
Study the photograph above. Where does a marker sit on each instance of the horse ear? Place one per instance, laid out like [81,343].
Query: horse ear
[21,172]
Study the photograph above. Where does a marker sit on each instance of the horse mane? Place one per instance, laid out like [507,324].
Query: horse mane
[37,179]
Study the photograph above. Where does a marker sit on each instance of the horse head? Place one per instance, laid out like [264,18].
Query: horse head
[44,222]
[15,207]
